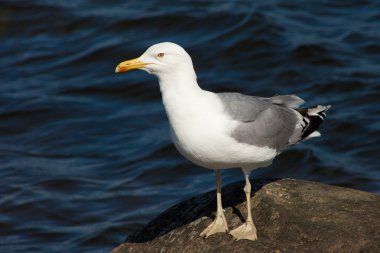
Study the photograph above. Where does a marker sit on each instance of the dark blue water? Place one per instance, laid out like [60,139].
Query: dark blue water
[85,154]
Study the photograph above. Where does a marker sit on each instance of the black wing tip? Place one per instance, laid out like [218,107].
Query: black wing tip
[315,116]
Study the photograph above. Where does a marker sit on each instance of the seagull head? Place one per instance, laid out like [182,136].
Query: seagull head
[160,59]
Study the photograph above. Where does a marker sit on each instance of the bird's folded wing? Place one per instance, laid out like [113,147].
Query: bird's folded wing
[291,101]
[263,122]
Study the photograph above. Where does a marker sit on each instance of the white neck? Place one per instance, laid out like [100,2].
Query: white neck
[180,94]
[178,81]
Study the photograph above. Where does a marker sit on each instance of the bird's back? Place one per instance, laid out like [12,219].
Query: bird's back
[274,122]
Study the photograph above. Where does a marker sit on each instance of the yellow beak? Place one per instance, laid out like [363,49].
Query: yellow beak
[128,65]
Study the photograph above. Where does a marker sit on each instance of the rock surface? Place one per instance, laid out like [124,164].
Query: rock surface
[290,216]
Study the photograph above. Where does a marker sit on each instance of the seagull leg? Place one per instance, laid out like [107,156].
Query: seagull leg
[247,230]
[219,224]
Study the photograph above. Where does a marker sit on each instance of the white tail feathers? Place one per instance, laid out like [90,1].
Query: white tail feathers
[318,111]
[313,135]
[309,120]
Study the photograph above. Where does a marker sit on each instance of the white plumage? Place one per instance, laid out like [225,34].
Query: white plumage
[225,130]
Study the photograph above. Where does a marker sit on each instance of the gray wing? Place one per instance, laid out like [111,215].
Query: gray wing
[291,101]
[264,122]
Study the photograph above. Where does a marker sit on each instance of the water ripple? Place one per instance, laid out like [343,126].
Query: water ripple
[85,154]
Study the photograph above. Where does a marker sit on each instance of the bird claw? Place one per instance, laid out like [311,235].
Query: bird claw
[219,225]
[246,231]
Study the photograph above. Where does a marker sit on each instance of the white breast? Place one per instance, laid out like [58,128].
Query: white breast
[201,132]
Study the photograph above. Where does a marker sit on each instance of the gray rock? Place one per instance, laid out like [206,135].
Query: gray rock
[290,216]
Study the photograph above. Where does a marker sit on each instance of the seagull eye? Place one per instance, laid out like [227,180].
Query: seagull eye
[160,55]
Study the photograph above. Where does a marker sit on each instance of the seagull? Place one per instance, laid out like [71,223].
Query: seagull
[224,130]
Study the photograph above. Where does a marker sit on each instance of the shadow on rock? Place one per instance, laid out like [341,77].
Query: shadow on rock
[195,208]
[290,216]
